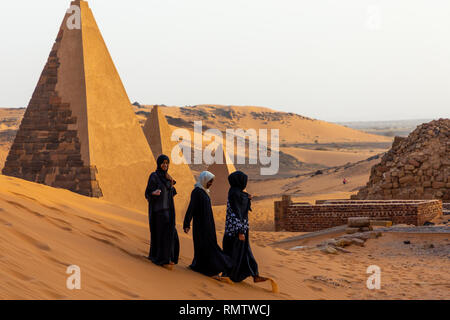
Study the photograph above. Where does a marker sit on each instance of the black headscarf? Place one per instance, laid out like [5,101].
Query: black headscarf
[161,173]
[161,160]
[238,180]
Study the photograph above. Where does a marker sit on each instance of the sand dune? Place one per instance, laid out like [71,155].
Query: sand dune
[293,128]
[4,150]
[330,158]
[44,230]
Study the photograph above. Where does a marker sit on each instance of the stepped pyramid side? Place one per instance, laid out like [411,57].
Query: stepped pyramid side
[158,134]
[219,190]
[48,147]
[79,131]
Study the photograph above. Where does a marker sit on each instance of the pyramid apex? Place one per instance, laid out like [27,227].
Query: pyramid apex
[81,123]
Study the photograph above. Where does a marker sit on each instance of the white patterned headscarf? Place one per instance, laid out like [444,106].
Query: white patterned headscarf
[203,180]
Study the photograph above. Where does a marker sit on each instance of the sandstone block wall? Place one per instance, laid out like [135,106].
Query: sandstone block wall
[295,217]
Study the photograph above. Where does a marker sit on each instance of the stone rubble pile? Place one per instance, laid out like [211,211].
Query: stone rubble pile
[416,167]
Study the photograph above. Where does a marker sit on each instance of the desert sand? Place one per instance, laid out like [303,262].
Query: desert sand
[330,158]
[293,128]
[4,149]
[44,230]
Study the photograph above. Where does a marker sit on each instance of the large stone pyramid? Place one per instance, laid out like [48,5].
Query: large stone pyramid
[79,131]
[417,167]
[158,134]
[219,190]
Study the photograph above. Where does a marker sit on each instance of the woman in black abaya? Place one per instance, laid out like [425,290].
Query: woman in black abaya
[164,242]
[209,258]
[236,243]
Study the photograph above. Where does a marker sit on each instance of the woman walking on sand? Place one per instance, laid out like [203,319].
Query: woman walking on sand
[236,242]
[209,258]
[164,242]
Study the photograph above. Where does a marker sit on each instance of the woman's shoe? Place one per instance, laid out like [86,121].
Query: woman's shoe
[168,266]
[259,279]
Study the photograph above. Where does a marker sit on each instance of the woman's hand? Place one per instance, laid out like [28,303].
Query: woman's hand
[156,193]
[250,197]
[241,237]
[186,230]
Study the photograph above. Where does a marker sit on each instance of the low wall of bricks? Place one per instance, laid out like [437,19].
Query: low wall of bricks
[296,217]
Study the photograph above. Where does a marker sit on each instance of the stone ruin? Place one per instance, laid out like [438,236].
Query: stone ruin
[416,167]
[304,217]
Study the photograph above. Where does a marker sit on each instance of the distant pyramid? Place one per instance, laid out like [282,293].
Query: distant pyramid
[158,134]
[219,190]
[79,131]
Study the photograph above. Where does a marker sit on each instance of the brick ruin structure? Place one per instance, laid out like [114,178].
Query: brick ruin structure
[416,167]
[301,217]
[79,131]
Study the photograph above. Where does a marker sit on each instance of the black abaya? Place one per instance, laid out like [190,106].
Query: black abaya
[209,259]
[164,242]
[239,205]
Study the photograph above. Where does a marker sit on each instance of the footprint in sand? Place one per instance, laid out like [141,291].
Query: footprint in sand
[54,221]
[315,288]
[109,243]
[6,223]
[208,294]
[61,224]
[38,244]
[54,295]
[117,233]
[20,206]
[89,220]
[105,235]
[18,275]
[117,288]
[52,259]
[23,196]
[52,208]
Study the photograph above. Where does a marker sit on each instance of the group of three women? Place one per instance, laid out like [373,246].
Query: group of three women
[235,261]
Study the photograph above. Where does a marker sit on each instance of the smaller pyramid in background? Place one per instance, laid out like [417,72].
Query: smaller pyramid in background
[158,134]
[219,190]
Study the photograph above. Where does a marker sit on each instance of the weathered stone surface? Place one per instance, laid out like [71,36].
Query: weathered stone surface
[358,222]
[358,242]
[421,163]
[329,250]
[343,242]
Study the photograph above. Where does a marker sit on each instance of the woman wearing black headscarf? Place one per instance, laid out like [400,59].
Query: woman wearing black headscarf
[236,243]
[164,242]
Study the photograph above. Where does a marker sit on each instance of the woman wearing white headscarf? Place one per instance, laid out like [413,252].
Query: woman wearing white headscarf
[209,258]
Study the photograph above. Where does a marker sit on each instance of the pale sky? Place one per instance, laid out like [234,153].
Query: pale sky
[335,60]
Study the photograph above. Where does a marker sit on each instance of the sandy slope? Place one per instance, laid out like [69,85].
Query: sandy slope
[330,158]
[293,128]
[44,230]
[4,149]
